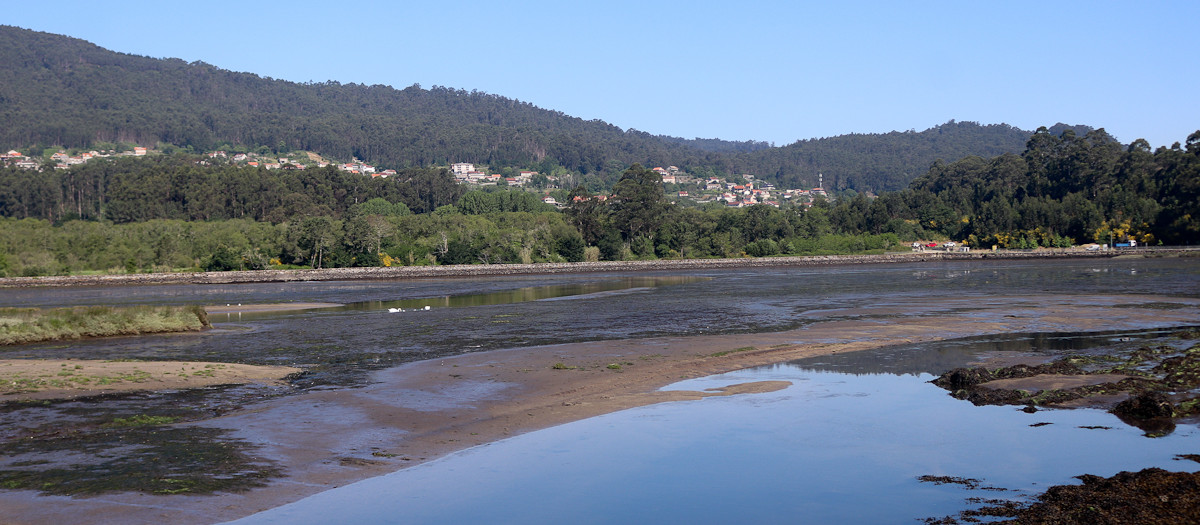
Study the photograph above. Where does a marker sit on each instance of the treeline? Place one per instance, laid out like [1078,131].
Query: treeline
[123,190]
[61,91]
[881,162]
[1062,189]
[504,226]
[31,247]
[170,212]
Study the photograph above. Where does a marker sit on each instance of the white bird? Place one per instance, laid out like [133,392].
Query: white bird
[394,310]
[426,307]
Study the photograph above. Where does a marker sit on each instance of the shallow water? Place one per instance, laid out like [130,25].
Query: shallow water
[470,315]
[780,457]
[835,447]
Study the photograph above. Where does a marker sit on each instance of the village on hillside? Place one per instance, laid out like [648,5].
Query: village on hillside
[747,191]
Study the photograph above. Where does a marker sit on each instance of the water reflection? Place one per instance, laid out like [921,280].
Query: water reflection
[529,293]
[833,448]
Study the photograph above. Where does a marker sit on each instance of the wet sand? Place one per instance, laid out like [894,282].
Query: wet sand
[1042,382]
[424,410]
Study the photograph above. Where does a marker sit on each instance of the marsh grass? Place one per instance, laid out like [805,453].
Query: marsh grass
[31,325]
[724,353]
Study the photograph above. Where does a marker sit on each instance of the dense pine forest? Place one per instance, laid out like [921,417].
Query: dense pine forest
[981,185]
[60,91]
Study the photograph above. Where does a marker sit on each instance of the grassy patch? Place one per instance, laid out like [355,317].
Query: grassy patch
[142,420]
[727,352]
[31,325]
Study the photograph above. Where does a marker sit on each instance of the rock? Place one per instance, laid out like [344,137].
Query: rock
[1149,405]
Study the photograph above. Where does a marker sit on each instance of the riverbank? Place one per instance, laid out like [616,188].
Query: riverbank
[33,325]
[483,270]
[423,410]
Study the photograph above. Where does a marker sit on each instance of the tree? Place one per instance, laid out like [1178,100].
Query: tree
[317,236]
[639,204]
[380,206]
[588,214]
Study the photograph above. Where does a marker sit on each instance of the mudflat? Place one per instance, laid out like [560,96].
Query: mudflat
[423,410]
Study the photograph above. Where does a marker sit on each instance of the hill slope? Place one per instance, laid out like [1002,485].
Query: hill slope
[57,90]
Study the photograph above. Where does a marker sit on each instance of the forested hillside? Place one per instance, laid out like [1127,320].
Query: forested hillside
[1079,187]
[168,213]
[883,162]
[60,91]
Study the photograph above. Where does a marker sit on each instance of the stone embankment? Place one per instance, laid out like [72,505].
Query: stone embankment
[481,270]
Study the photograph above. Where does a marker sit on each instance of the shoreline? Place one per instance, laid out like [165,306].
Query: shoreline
[424,410]
[483,270]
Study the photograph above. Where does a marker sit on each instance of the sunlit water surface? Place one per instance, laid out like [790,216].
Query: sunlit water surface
[844,444]
[835,447]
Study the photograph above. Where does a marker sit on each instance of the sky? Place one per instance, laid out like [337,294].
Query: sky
[769,71]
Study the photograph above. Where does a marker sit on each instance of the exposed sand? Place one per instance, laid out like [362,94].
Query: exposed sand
[424,410]
[1052,382]
[22,379]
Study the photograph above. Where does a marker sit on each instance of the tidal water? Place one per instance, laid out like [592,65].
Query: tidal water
[835,447]
[472,315]
[845,443]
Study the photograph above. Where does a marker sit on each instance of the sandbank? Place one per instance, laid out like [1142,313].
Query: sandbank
[1052,382]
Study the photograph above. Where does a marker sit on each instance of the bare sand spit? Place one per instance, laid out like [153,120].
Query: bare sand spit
[427,409]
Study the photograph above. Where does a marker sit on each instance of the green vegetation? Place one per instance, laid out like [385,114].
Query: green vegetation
[180,211]
[334,219]
[735,350]
[1062,189]
[73,94]
[142,420]
[27,325]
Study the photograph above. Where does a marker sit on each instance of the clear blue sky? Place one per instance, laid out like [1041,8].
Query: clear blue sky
[774,71]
